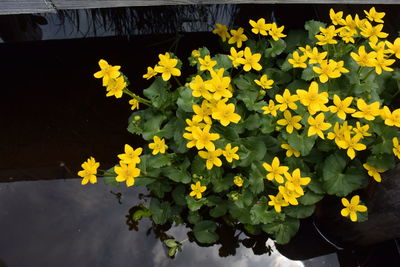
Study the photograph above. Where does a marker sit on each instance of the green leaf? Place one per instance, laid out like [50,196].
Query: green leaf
[284,230]
[251,149]
[302,143]
[299,211]
[382,161]
[310,198]
[220,183]
[185,100]
[241,214]
[267,125]
[160,211]
[245,199]
[204,232]
[223,61]
[260,214]
[143,212]
[158,93]
[312,27]
[335,182]
[159,188]
[252,122]
[194,217]
[228,133]
[246,81]
[143,181]
[176,175]
[194,204]
[178,195]
[109,177]
[294,39]
[159,160]
[172,251]
[277,47]
[152,124]
[170,243]
[256,178]
[219,210]
[308,74]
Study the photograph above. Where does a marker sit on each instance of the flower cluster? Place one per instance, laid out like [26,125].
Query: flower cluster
[259,134]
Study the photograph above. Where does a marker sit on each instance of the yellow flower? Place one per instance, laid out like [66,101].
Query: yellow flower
[115,87]
[278,202]
[382,63]
[289,195]
[341,107]
[230,153]
[158,145]
[150,73]
[363,58]
[396,147]
[374,172]
[235,56]
[166,66]
[219,85]
[351,144]
[275,32]
[326,36]
[315,56]
[131,156]
[195,53]
[211,158]
[126,173]
[361,130]
[202,113]
[207,63]
[290,151]
[368,112]
[250,61]
[192,124]
[286,100]
[107,71]
[237,37]
[237,180]
[275,171]
[317,125]
[290,122]
[89,171]
[347,34]
[395,47]
[222,31]
[259,27]
[327,69]
[295,181]
[298,61]
[337,18]
[313,100]
[134,103]
[204,138]
[197,189]
[199,88]
[351,208]
[264,82]
[271,108]
[225,113]
[373,32]
[372,15]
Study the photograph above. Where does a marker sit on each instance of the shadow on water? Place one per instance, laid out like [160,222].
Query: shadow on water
[61,223]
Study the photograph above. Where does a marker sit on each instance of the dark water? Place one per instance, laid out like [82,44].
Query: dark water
[61,223]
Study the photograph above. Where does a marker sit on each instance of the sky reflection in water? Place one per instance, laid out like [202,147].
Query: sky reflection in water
[61,223]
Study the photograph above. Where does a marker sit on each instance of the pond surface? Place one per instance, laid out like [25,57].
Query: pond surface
[61,223]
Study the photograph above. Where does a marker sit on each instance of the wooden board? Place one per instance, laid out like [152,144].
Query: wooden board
[25,6]
[43,6]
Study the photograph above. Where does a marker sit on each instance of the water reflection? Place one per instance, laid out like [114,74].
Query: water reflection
[61,223]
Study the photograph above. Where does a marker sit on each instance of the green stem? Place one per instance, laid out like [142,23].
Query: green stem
[369,73]
[138,98]
[177,81]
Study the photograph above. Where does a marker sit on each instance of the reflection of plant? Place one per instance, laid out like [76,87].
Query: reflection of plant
[257,137]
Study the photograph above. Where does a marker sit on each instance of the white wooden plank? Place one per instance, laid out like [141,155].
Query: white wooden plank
[25,6]
[78,4]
